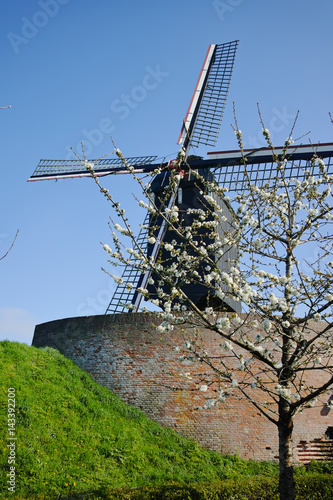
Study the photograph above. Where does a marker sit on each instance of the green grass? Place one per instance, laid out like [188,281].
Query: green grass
[76,436]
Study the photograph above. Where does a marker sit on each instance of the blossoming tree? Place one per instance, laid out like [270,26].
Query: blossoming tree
[286,297]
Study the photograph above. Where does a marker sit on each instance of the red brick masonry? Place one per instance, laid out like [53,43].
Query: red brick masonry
[127,354]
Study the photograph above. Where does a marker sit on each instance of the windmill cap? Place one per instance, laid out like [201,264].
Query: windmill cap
[161,181]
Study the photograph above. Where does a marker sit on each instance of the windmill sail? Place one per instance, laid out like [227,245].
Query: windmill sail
[64,169]
[125,293]
[261,168]
[126,296]
[204,115]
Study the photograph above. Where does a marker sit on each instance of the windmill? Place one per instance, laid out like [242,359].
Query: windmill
[201,126]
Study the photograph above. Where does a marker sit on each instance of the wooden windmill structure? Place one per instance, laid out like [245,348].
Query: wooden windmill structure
[201,126]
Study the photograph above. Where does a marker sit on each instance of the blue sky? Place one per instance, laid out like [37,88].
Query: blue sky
[68,67]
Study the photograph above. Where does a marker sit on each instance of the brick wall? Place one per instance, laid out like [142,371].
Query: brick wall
[126,353]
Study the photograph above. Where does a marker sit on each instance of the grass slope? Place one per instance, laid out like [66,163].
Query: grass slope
[76,436]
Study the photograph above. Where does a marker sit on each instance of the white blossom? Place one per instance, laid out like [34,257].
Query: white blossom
[313,212]
[209,404]
[283,391]
[168,247]
[143,204]
[223,323]
[237,320]
[88,165]
[228,345]
[273,300]
[121,230]
[266,325]
[241,362]
[156,302]
[329,404]
[165,327]
[107,248]
[284,279]
[258,243]
[167,307]
[117,279]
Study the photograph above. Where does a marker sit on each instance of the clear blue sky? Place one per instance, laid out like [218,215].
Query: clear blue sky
[66,67]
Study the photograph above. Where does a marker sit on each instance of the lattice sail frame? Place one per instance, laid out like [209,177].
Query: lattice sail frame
[64,169]
[204,115]
[261,169]
[126,296]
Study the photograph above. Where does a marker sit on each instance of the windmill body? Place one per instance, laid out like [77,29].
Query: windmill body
[201,126]
[190,195]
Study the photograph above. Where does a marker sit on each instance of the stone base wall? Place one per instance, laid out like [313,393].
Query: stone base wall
[127,354]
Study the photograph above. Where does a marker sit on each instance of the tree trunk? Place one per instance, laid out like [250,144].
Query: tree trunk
[285,426]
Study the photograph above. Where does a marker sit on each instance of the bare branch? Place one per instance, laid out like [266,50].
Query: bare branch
[10,246]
